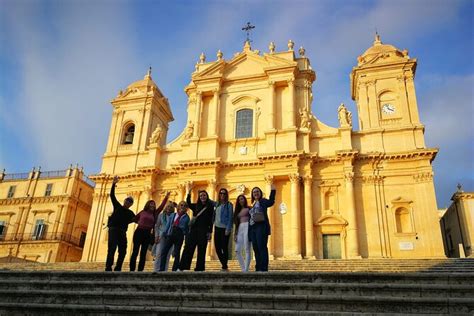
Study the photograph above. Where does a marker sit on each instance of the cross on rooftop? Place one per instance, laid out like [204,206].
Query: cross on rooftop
[247,29]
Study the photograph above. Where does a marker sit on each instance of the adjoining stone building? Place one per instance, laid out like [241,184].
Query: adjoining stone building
[44,215]
[341,193]
[457,225]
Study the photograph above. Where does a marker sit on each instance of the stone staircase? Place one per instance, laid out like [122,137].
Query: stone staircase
[297,287]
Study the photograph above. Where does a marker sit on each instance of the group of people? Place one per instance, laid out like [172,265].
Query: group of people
[168,230]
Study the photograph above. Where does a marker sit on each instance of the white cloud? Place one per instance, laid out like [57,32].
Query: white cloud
[71,65]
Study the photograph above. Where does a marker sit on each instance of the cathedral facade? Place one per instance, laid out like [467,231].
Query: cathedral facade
[341,193]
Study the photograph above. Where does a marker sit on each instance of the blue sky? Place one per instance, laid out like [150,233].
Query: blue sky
[61,62]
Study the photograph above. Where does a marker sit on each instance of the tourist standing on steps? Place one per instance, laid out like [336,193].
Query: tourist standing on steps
[241,236]
[200,231]
[118,225]
[259,226]
[223,218]
[143,235]
[176,230]
[160,228]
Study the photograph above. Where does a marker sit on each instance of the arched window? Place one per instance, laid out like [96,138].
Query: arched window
[128,136]
[402,217]
[244,124]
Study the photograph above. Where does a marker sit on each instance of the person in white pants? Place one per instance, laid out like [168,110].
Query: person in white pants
[242,243]
[160,227]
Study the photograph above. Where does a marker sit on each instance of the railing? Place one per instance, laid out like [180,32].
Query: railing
[88,181]
[53,174]
[16,176]
[46,238]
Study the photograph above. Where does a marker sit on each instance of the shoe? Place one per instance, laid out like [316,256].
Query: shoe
[224,270]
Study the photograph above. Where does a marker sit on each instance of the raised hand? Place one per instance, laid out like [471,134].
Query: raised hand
[115,180]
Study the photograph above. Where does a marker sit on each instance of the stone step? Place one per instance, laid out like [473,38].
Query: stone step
[232,277]
[297,288]
[390,265]
[331,303]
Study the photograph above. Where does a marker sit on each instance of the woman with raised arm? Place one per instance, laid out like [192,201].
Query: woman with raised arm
[259,226]
[242,243]
[142,236]
[161,224]
[175,232]
[200,231]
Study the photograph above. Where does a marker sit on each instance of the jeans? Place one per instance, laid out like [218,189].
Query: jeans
[117,239]
[243,244]
[197,237]
[259,237]
[176,239]
[221,241]
[141,240]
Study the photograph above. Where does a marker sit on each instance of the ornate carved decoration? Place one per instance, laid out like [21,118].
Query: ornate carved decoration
[294,178]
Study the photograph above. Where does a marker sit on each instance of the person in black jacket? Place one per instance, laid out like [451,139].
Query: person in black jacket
[200,231]
[118,225]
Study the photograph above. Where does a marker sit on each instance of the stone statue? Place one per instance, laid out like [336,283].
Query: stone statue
[156,135]
[345,117]
[305,119]
[189,130]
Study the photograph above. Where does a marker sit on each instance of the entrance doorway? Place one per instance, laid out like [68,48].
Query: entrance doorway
[332,246]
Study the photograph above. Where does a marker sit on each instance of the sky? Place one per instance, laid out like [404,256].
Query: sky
[61,62]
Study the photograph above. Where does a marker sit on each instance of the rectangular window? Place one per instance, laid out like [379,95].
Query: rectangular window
[82,240]
[40,229]
[11,191]
[3,229]
[244,124]
[49,189]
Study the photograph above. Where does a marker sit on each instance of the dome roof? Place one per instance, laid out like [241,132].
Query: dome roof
[147,81]
[379,48]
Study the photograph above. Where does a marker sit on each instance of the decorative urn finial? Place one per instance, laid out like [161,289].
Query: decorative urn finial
[202,58]
[291,45]
[219,55]
[271,47]
[302,51]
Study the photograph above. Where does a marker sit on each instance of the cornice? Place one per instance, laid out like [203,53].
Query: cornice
[181,165]
[281,156]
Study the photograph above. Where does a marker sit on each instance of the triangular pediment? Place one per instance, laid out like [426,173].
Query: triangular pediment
[244,64]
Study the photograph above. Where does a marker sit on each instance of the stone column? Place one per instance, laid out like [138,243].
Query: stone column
[211,190]
[295,228]
[373,108]
[308,215]
[19,220]
[412,103]
[292,105]
[197,115]
[352,236]
[215,121]
[363,107]
[57,220]
[270,212]
[271,105]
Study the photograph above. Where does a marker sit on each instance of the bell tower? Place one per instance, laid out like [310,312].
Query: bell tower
[383,88]
[140,120]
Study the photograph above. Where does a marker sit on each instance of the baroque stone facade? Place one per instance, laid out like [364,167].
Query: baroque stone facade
[341,193]
[44,215]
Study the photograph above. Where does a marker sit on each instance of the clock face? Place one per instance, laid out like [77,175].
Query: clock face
[388,108]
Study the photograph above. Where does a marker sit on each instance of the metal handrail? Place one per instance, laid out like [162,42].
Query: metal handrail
[53,174]
[16,176]
[29,237]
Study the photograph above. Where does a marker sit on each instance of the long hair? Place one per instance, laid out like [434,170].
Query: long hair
[238,208]
[226,196]
[198,202]
[251,193]
[147,205]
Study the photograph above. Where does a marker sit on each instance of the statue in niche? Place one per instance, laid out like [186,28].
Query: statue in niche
[305,119]
[156,135]
[345,116]
[189,130]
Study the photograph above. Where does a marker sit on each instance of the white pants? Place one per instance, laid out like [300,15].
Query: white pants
[158,247]
[243,245]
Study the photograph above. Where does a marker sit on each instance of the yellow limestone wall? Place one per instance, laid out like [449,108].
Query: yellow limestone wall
[65,213]
[372,187]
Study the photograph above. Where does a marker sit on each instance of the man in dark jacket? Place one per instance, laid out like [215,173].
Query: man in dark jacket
[118,224]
